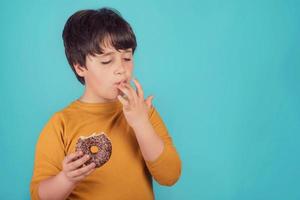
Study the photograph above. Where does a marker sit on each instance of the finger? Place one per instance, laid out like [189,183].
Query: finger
[72,156]
[79,178]
[123,101]
[79,162]
[127,92]
[93,168]
[82,171]
[133,92]
[149,101]
[139,88]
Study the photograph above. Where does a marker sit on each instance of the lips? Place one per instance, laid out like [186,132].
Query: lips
[119,82]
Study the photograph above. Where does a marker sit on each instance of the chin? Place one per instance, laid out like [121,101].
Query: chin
[113,95]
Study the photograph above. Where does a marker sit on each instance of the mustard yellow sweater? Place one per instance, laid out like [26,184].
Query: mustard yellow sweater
[126,175]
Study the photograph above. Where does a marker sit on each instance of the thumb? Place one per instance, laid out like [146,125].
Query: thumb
[149,101]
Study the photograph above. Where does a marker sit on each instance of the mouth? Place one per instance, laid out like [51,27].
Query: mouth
[117,84]
[120,82]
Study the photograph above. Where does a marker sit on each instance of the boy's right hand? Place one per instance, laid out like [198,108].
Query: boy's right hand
[73,168]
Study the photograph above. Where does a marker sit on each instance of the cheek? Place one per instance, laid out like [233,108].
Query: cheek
[97,80]
[94,78]
[129,70]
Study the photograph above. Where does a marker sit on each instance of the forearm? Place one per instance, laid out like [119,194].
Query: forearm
[57,187]
[150,143]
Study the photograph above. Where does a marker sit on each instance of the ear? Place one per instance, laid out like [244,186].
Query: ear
[80,70]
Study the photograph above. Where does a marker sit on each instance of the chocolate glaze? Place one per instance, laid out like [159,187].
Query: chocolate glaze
[101,141]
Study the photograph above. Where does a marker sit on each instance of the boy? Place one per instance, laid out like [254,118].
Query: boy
[99,45]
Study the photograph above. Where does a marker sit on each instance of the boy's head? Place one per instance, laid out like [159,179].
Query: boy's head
[99,45]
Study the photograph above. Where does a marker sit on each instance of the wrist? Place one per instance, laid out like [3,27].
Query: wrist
[141,125]
[63,178]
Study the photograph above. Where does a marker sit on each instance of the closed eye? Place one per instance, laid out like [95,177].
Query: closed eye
[105,63]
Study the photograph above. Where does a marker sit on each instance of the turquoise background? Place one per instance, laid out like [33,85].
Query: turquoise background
[225,76]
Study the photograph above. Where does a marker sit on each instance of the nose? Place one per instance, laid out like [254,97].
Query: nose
[121,69]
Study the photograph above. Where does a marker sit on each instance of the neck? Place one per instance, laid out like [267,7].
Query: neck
[90,97]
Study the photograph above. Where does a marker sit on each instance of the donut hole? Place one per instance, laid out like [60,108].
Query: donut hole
[94,149]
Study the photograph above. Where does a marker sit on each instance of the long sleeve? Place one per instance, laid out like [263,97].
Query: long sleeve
[125,172]
[49,153]
[166,169]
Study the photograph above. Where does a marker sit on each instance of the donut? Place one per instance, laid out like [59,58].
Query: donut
[98,146]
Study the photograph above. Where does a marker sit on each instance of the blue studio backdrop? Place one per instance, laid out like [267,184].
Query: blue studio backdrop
[225,76]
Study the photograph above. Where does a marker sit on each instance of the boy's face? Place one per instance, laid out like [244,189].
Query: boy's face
[105,72]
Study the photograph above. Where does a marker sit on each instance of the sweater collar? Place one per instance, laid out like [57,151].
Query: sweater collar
[108,107]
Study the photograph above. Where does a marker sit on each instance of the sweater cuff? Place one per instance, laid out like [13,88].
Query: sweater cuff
[159,159]
[34,191]
[166,169]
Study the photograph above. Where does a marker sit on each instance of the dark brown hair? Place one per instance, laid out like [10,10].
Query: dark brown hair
[86,32]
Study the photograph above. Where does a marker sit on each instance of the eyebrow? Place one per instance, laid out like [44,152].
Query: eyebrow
[110,53]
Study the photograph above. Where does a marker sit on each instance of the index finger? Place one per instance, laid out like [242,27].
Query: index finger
[72,156]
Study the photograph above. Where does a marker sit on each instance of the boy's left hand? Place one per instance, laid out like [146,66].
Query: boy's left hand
[135,107]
